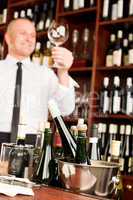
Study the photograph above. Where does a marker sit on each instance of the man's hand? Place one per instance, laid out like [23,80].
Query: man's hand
[62,57]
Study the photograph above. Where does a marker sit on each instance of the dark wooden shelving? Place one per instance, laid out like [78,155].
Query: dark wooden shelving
[77,12]
[81,69]
[2,28]
[113,116]
[128,67]
[119,21]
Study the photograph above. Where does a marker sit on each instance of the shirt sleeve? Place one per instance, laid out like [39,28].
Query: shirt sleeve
[64,96]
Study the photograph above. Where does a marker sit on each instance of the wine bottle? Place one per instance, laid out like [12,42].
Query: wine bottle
[67,5]
[50,15]
[126,154]
[116,99]
[110,49]
[105,97]
[74,131]
[35,15]
[115,151]
[125,58]
[129,97]
[19,156]
[114,10]
[85,49]
[29,14]
[92,3]
[94,145]
[69,143]
[106,9]
[120,7]
[112,136]
[130,8]
[75,40]
[102,134]
[130,48]
[117,53]
[43,15]
[47,56]
[81,3]
[81,152]
[42,173]
[37,56]
[75,5]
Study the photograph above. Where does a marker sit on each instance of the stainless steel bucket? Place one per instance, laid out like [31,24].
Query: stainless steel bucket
[95,178]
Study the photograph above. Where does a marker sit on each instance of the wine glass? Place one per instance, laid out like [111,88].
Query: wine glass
[58,33]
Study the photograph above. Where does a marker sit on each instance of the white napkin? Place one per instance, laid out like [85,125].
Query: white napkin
[12,189]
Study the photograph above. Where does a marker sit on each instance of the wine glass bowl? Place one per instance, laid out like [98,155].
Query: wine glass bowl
[58,32]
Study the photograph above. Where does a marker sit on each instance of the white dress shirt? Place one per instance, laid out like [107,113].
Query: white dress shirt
[39,84]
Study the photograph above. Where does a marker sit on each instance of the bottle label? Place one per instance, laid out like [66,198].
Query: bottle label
[129,106]
[115,147]
[121,161]
[105,8]
[116,103]
[130,56]
[117,55]
[120,8]
[47,23]
[66,4]
[75,5]
[114,11]
[130,164]
[40,25]
[126,60]
[105,103]
[131,7]
[109,60]
[81,4]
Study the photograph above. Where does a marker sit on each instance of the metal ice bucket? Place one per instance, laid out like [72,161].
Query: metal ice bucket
[93,179]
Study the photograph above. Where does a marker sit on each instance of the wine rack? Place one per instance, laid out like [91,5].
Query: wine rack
[90,75]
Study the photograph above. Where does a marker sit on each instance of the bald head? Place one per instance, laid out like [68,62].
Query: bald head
[20,38]
[17,22]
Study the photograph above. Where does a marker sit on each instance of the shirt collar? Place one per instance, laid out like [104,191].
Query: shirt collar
[13,60]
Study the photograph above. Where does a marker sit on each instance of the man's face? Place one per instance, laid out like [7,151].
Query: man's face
[22,39]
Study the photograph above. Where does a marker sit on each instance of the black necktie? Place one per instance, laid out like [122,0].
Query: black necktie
[17,100]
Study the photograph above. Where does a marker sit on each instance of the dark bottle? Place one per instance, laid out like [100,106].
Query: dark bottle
[57,145]
[102,134]
[109,54]
[35,15]
[118,47]
[94,145]
[116,96]
[85,49]
[42,174]
[42,19]
[105,97]
[130,48]
[126,160]
[75,42]
[106,10]
[68,141]
[125,58]
[81,152]
[19,157]
[50,14]
[68,5]
[112,136]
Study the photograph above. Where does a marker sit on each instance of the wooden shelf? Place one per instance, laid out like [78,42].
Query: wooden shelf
[77,12]
[119,21]
[128,67]
[113,116]
[2,28]
[81,69]
[21,3]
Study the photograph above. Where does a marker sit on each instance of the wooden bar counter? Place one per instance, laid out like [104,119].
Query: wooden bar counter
[49,193]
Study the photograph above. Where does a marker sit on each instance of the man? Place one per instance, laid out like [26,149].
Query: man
[39,84]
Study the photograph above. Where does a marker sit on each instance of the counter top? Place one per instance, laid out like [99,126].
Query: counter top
[49,193]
